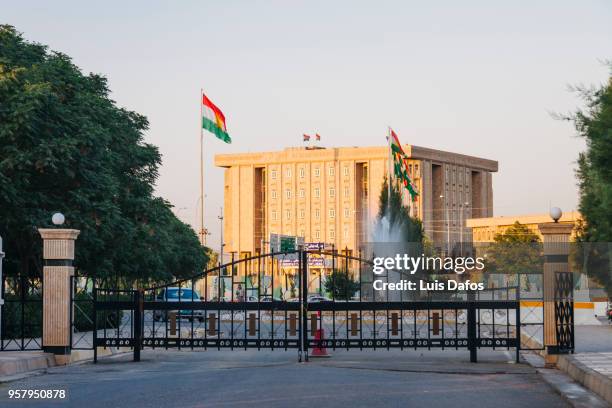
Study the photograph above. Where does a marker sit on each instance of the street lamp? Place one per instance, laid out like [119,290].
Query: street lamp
[555,214]
[462,206]
[58,218]
[447,226]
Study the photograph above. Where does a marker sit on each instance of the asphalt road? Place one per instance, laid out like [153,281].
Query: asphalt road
[275,379]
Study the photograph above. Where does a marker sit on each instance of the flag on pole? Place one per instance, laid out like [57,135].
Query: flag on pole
[400,165]
[306,137]
[213,120]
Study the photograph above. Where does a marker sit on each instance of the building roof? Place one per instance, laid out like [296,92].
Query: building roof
[306,154]
[571,216]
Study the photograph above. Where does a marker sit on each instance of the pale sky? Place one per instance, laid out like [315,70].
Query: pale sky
[471,77]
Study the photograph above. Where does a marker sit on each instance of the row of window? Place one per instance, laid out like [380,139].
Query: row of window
[316,192]
[302,213]
[331,170]
[332,234]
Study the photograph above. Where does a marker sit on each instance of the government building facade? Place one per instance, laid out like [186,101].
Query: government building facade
[331,195]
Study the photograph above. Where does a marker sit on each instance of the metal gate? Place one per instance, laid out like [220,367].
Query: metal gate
[275,301]
[564,312]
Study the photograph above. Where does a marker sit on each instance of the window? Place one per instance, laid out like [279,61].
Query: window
[302,172]
[332,213]
[273,194]
[346,191]
[288,194]
[274,215]
[317,213]
[317,192]
[273,174]
[317,234]
[302,233]
[302,193]
[346,232]
[416,169]
[287,215]
[347,213]
[302,213]
[332,234]
[346,170]
[289,172]
[317,172]
[332,192]
[332,170]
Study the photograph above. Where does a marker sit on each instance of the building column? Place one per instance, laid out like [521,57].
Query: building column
[556,250]
[58,255]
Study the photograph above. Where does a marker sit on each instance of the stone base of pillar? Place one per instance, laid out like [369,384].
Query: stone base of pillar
[550,360]
[62,359]
[57,350]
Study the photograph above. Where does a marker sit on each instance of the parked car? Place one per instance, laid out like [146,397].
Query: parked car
[175,294]
[311,299]
[318,298]
[268,298]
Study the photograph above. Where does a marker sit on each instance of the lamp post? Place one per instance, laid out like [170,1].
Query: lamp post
[462,209]
[221,244]
[447,225]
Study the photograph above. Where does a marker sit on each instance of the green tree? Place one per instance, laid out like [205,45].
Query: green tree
[66,146]
[341,285]
[594,123]
[515,252]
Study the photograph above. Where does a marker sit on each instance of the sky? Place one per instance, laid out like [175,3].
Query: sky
[475,77]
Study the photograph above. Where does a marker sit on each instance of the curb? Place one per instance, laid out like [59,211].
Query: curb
[594,381]
[572,392]
[12,363]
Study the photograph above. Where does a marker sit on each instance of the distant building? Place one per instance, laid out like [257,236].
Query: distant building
[484,229]
[330,195]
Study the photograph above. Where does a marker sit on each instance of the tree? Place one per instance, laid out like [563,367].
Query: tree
[341,285]
[594,173]
[515,252]
[66,146]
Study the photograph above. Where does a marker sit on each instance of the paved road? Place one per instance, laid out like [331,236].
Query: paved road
[593,338]
[276,379]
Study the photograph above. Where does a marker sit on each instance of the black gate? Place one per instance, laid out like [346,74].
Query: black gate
[276,301]
[564,312]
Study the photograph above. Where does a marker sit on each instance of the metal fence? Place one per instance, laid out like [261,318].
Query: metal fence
[257,303]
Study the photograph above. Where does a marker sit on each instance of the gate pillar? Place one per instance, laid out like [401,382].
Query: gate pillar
[556,250]
[58,255]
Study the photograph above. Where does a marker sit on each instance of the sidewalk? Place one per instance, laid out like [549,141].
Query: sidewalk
[15,363]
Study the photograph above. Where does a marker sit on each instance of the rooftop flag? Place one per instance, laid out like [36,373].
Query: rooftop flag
[213,120]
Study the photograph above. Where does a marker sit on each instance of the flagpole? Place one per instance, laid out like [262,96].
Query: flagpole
[390,172]
[202,231]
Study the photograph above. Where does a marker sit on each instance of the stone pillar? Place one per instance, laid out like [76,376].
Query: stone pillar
[58,254]
[556,251]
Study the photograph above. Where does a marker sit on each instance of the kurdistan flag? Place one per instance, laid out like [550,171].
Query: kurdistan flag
[213,120]
[400,165]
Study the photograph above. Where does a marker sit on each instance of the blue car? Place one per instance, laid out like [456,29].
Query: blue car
[175,294]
